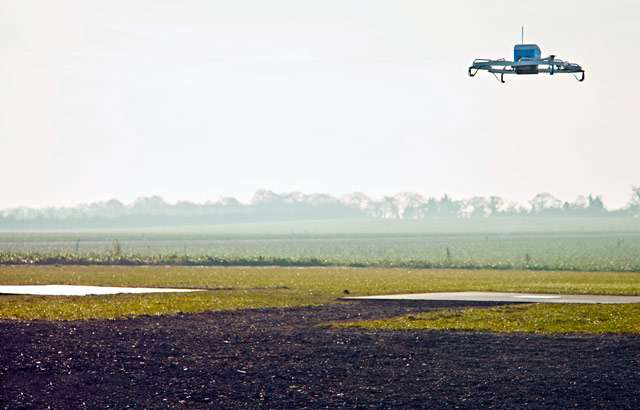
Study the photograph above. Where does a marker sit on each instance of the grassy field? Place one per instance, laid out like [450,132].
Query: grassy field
[534,318]
[238,287]
[600,251]
[566,255]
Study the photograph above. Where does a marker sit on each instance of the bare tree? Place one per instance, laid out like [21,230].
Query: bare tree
[634,203]
[544,201]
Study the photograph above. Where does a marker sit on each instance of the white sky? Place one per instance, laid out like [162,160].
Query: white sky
[198,99]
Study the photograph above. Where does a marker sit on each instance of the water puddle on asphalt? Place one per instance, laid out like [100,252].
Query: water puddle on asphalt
[77,290]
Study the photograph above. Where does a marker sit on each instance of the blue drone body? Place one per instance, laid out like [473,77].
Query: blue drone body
[527,59]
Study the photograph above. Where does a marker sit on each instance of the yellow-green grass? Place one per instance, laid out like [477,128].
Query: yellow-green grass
[131,305]
[533,318]
[242,288]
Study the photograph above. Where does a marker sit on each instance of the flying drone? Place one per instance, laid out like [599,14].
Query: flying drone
[526,60]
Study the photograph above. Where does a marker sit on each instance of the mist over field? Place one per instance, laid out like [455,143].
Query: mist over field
[296,229]
[267,206]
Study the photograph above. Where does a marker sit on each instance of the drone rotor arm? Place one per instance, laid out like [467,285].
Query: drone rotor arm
[565,67]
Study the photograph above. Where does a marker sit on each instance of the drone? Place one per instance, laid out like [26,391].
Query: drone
[526,60]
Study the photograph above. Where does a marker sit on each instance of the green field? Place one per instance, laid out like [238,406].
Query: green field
[261,265]
[587,244]
[237,288]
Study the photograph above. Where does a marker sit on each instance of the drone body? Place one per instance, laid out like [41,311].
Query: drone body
[526,60]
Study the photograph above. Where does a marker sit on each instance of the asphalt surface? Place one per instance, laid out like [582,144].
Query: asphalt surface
[282,359]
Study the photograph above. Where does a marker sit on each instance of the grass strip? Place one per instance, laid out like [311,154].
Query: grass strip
[251,287]
[528,318]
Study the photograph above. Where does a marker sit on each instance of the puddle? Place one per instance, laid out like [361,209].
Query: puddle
[537,296]
[504,297]
[75,290]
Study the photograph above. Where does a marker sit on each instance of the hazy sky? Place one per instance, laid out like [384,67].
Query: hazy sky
[197,99]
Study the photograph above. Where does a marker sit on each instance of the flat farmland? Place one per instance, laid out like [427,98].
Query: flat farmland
[269,331]
[277,337]
[593,251]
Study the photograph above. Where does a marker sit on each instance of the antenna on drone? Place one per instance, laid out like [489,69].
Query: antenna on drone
[522,34]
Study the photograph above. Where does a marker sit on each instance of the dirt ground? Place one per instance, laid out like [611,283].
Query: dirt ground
[281,358]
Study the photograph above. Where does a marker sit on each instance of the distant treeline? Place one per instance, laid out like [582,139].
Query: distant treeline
[267,206]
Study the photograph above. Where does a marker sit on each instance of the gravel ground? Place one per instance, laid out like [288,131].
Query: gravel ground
[280,358]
